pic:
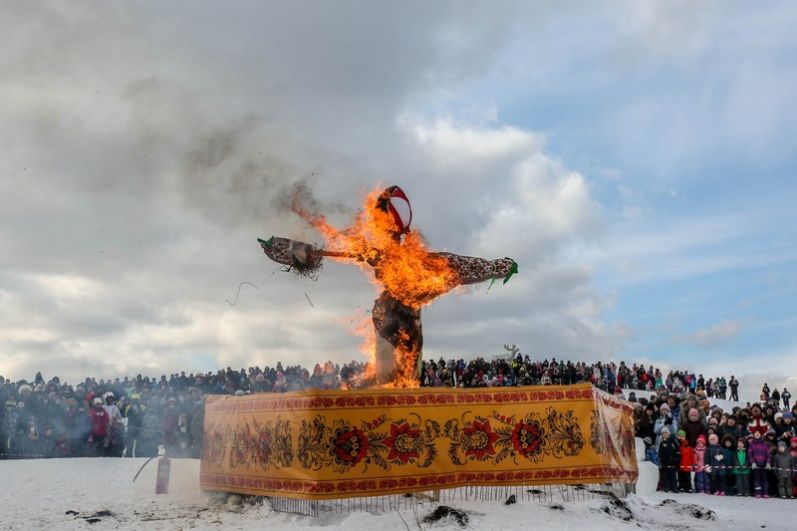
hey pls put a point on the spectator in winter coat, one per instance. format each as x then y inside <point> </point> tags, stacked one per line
<point>8,430</point>
<point>728,443</point>
<point>785,396</point>
<point>77,423</point>
<point>151,431</point>
<point>734,383</point>
<point>116,442</point>
<point>686,465</point>
<point>27,444</point>
<point>715,465</point>
<point>670,459</point>
<point>686,406</point>
<point>730,427</point>
<point>788,424</point>
<point>665,419</point>
<point>100,429</point>
<point>169,425</point>
<point>644,427</point>
<point>196,428</point>
<point>775,398</point>
<point>778,425</point>
<point>47,441</point>
<point>699,456</point>
<point>757,422</point>
<point>741,469</point>
<point>182,447</point>
<point>760,461</point>
<point>794,469</point>
<point>694,426</point>
<point>134,412</point>
<point>772,443</point>
<point>783,464</point>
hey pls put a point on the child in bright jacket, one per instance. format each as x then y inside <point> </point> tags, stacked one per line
<point>760,461</point>
<point>687,462</point>
<point>783,463</point>
<point>741,468</point>
<point>716,465</point>
<point>699,457</point>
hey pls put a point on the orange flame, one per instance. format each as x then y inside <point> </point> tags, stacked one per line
<point>401,265</point>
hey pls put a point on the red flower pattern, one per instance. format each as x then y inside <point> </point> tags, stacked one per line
<point>481,438</point>
<point>350,446</point>
<point>527,438</point>
<point>403,443</point>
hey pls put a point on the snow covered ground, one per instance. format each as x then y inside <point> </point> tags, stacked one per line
<point>100,494</point>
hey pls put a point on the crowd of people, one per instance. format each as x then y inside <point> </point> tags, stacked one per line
<point>521,370</point>
<point>138,416</point>
<point>747,451</point>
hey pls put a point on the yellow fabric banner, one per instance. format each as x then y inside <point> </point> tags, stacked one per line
<point>337,444</point>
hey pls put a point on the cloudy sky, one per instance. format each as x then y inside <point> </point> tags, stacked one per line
<point>636,158</point>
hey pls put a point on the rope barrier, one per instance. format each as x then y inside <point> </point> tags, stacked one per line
<point>728,467</point>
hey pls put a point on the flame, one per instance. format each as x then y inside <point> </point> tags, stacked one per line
<point>364,328</point>
<point>400,265</point>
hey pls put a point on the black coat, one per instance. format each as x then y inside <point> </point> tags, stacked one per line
<point>669,452</point>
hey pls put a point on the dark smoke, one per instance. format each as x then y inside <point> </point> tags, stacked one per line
<point>231,173</point>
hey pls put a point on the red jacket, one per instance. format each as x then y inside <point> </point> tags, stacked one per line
<point>687,457</point>
<point>100,421</point>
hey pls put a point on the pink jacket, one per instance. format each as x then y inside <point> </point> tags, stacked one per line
<point>700,458</point>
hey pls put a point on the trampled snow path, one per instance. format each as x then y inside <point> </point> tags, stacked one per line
<point>37,494</point>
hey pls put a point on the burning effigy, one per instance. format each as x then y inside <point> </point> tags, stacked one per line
<point>396,437</point>
<point>408,274</point>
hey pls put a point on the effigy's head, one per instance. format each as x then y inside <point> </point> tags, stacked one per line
<point>393,202</point>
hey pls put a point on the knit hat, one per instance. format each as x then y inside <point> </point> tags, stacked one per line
<point>771,431</point>
<point>701,438</point>
<point>665,407</point>
<point>778,415</point>
<point>97,400</point>
<point>666,430</point>
<point>781,443</point>
<point>794,440</point>
<point>681,433</point>
<point>788,416</point>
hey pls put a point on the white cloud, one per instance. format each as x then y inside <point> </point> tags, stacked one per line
<point>715,335</point>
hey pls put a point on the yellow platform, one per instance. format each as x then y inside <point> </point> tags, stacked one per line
<point>318,444</point>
